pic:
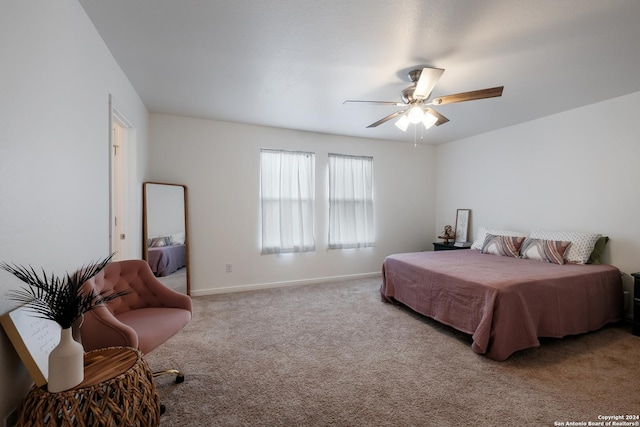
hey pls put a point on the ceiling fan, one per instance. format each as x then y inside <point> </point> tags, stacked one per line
<point>415,100</point>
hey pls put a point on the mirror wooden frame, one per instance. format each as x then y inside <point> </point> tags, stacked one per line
<point>145,230</point>
<point>462,225</point>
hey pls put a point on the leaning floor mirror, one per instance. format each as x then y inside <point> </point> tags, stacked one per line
<point>166,233</point>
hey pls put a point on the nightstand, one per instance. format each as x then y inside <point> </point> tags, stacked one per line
<point>636,304</point>
<point>441,246</point>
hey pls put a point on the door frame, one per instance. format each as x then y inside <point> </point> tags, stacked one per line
<point>122,145</point>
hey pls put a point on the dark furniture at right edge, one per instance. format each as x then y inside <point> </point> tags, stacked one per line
<point>441,246</point>
<point>636,303</point>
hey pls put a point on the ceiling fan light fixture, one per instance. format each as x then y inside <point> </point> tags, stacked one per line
<point>415,114</point>
<point>415,100</point>
<point>429,120</point>
<point>402,123</point>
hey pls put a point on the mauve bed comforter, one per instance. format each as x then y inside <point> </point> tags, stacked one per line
<point>164,260</point>
<point>504,303</point>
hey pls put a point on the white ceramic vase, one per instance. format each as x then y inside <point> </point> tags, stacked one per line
<point>66,363</point>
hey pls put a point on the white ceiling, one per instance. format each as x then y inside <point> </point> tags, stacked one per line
<point>292,63</point>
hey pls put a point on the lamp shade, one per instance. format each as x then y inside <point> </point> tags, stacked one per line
<point>402,123</point>
<point>415,114</point>
<point>429,120</point>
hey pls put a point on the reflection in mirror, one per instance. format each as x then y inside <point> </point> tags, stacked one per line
<point>165,230</point>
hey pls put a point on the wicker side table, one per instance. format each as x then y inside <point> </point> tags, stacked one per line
<point>118,390</point>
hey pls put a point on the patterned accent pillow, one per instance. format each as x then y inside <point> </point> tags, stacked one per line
<point>581,243</point>
<point>544,250</point>
<point>158,242</point>
<point>502,245</point>
<point>478,243</point>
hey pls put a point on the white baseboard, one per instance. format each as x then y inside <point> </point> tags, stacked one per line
<point>258,286</point>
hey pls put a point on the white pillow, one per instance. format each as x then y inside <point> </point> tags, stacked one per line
<point>581,243</point>
<point>481,235</point>
<point>178,238</point>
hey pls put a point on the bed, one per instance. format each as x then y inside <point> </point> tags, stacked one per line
<point>165,260</point>
<point>504,303</point>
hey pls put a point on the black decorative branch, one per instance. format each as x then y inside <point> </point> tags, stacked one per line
<point>59,298</point>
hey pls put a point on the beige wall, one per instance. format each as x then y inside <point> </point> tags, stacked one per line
<point>574,171</point>
<point>56,77</point>
<point>219,162</point>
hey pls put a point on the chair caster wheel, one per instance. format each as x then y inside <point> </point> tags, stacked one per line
<point>179,379</point>
<point>163,409</point>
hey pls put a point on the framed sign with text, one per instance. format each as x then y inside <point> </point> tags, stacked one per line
<point>33,338</point>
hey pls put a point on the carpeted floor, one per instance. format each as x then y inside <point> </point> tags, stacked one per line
<point>334,354</point>
<point>176,281</point>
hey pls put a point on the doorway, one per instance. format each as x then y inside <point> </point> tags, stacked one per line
<point>121,202</point>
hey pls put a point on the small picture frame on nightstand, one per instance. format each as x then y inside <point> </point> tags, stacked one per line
<point>462,225</point>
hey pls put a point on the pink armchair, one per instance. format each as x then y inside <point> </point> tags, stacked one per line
<point>146,317</point>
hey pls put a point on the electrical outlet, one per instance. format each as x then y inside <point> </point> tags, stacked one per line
<point>12,419</point>
<point>229,268</point>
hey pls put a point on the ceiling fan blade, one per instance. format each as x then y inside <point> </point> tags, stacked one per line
<point>386,119</point>
<point>427,81</point>
<point>469,96</point>
<point>397,104</point>
<point>441,119</point>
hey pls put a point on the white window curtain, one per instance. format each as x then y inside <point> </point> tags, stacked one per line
<point>350,201</point>
<point>287,193</point>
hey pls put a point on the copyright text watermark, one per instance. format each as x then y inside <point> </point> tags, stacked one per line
<point>625,420</point>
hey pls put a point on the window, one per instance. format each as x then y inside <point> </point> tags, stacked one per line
<point>287,193</point>
<point>350,201</point>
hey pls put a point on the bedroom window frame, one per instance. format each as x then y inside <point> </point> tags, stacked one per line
<point>351,203</point>
<point>287,201</point>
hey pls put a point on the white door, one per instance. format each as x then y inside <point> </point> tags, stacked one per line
<point>118,233</point>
